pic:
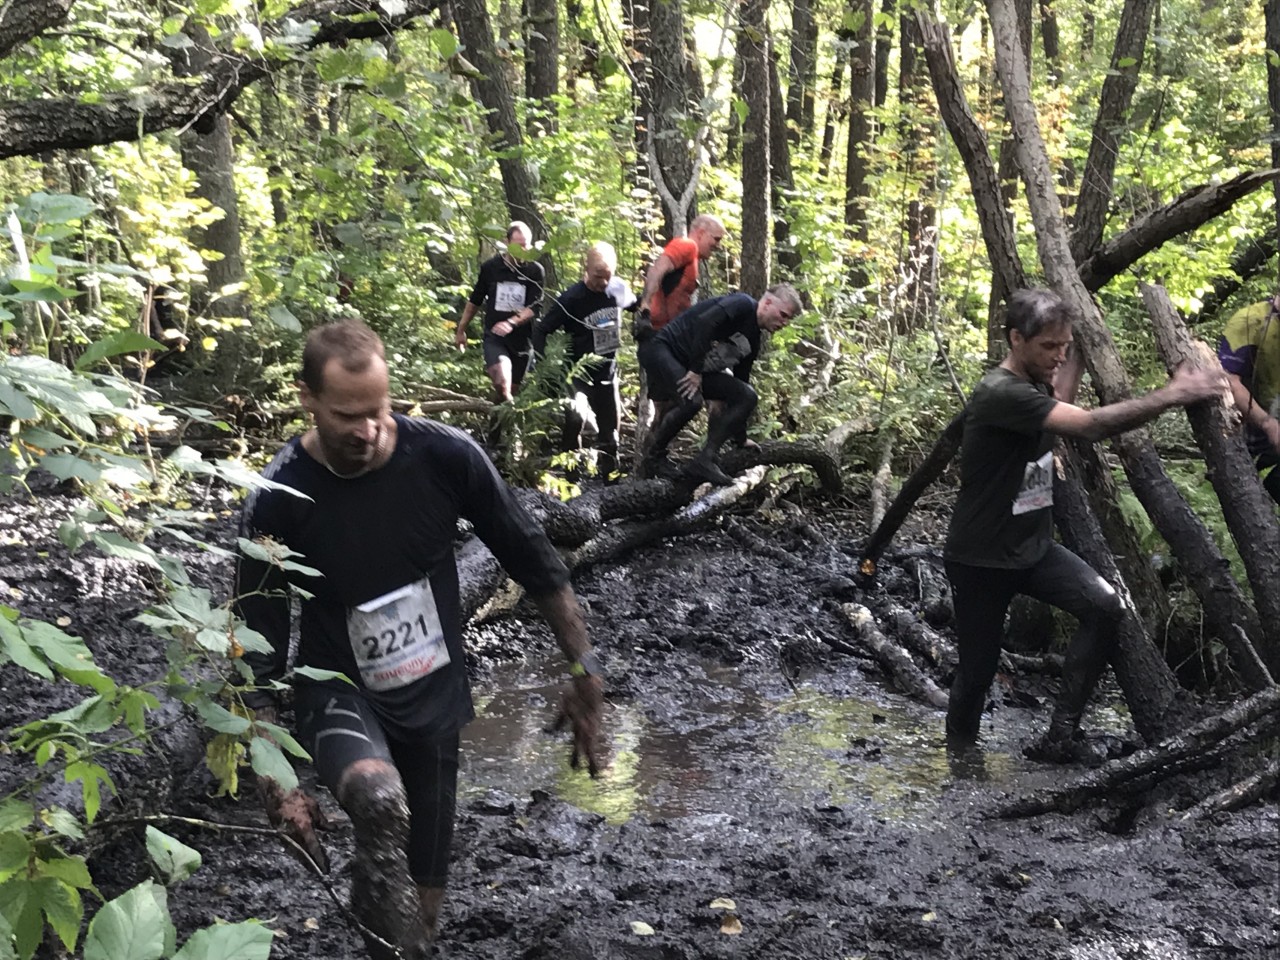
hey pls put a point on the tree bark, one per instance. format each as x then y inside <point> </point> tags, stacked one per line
<point>909,677</point>
<point>66,123</point>
<point>757,208</point>
<point>1104,145</point>
<point>781,178</point>
<point>837,107</point>
<point>800,72</point>
<point>1191,210</point>
<point>861,132</point>
<point>1246,506</point>
<point>672,154</point>
<point>1271,30</point>
<point>884,48</point>
<point>20,20</point>
<point>542,63</point>
<point>494,93</point>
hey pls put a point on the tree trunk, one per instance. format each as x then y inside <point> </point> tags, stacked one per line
<point>208,152</point>
<point>542,64</point>
<point>884,47</point>
<point>672,153</point>
<point>781,178</point>
<point>837,107</point>
<point>494,93</point>
<point>1246,506</point>
<point>1104,145</point>
<point>861,133</point>
<point>1271,17</point>
<point>757,212</point>
<point>20,20</point>
<point>800,71</point>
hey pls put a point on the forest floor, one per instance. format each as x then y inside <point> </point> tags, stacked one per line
<point>749,762</point>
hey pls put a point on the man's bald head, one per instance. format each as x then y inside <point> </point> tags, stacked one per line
<point>707,232</point>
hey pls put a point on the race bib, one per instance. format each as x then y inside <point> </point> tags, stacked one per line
<point>605,332</point>
<point>1036,491</point>
<point>397,637</point>
<point>508,297</point>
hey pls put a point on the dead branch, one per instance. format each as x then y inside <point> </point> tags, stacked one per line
<point>909,677</point>
<point>1238,795</point>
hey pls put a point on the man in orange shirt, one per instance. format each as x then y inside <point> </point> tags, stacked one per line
<point>670,282</point>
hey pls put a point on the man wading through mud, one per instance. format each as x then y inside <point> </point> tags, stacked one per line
<point>689,359</point>
<point>383,494</point>
<point>1001,537</point>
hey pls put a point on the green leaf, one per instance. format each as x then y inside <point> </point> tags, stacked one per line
<point>116,545</point>
<point>133,926</point>
<point>15,814</point>
<point>43,439</point>
<point>219,718</point>
<point>20,907</point>
<point>70,870</point>
<point>16,402</point>
<point>268,761</point>
<point>89,775</point>
<point>316,673</point>
<point>63,822</point>
<point>55,208</point>
<point>38,291</point>
<point>15,647</point>
<point>122,341</point>
<point>445,42</point>
<point>172,857</point>
<point>15,852</point>
<point>6,941</point>
<point>65,466</point>
<point>1126,62</point>
<point>228,941</point>
<point>62,909</point>
<point>283,737</point>
<point>283,318</point>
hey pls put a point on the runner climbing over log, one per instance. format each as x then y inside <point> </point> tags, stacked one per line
<point>1000,541</point>
<point>689,359</point>
<point>381,497</point>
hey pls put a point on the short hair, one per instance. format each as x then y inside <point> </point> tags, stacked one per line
<point>788,295</point>
<point>351,342</point>
<point>603,253</point>
<point>705,221</point>
<point>520,225</point>
<point>1032,309</point>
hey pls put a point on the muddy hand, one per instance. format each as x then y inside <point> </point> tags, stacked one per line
<point>581,705</point>
<point>298,815</point>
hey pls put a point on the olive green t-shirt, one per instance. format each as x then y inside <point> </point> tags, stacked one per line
<point>1002,517</point>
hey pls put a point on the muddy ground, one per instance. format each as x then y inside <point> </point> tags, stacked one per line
<point>751,762</point>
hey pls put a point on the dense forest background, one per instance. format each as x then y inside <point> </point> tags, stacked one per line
<point>186,188</point>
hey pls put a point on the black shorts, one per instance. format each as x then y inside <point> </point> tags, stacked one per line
<point>662,368</point>
<point>516,347</point>
<point>340,728</point>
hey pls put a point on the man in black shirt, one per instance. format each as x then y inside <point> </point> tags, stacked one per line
<point>687,360</point>
<point>381,495</point>
<point>589,312</point>
<point>1001,538</point>
<point>510,290</point>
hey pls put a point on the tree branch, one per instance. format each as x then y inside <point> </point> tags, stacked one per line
<point>34,126</point>
<point>1193,209</point>
<point>20,20</point>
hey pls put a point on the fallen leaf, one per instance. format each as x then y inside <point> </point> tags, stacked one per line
<point>929,917</point>
<point>63,621</point>
<point>723,903</point>
<point>730,926</point>
<point>641,929</point>
<point>311,923</point>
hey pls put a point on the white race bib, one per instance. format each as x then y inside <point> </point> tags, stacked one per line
<point>605,332</point>
<point>1036,492</point>
<point>397,637</point>
<point>508,297</point>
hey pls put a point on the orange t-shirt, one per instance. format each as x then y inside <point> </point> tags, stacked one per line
<point>675,293</point>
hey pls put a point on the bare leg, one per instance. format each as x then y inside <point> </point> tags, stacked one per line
<point>500,377</point>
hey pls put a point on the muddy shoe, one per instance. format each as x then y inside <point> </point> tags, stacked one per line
<point>1062,750</point>
<point>658,468</point>
<point>704,469</point>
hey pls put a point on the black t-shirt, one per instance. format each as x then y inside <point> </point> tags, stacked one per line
<point>592,321</point>
<point>727,322</point>
<point>370,537</point>
<point>506,286</point>
<point>1002,517</point>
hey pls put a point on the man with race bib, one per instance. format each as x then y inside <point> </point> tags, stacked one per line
<point>381,496</point>
<point>590,314</point>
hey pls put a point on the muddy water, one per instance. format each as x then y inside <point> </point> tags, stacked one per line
<point>730,749</point>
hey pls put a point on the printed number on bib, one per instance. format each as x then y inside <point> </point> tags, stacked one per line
<point>1036,492</point>
<point>508,297</point>
<point>605,330</point>
<point>397,637</point>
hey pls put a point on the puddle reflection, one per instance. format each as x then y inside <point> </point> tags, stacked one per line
<point>726,750</point>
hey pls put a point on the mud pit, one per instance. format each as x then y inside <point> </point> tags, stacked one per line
<point>750,762</point>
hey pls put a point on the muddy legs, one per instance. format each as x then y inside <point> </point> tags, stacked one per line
<point>383,896</point>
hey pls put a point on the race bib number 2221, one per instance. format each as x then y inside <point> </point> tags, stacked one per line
<point>396,638</point>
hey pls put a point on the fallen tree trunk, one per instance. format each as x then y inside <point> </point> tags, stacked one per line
<point>909,677</point>
<point>1197,739</point>
<point>1246,506</point>
<point>1238,795</point>
<point>916,636</point>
